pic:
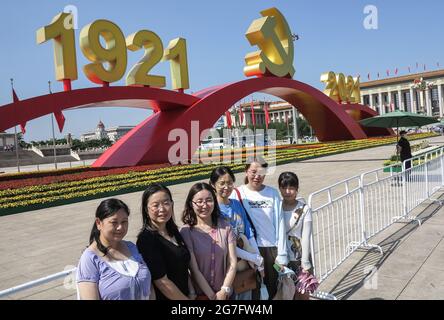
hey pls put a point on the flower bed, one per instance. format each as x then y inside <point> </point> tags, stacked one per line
<point>18,194</point>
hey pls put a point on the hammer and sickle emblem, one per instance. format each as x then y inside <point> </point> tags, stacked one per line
<point>272,35</point>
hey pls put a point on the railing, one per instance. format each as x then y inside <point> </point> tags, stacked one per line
<point>346,222</point>
<point>349,213</point>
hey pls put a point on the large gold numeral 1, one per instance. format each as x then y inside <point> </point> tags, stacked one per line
<point>64,45</point>
<point>176,52</point>
<point>138,75</point>
<point>114,54</point>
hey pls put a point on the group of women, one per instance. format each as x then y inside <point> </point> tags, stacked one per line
<point>223,229</point>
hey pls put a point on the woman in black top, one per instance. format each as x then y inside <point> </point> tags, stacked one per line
<point>162,247</point>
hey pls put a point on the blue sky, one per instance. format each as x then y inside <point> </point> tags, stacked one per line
<point>332,37</point>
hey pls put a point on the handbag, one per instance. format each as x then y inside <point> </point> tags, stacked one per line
<point>245,281</point>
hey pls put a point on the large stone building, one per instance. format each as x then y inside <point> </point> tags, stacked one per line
<point>113,133</point>
<point>279,112</point>
<point>419,93</point>
<point>6,140</point>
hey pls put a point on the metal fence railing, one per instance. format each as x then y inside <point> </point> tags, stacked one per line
<point>349,213</point>
<point>346,222</point>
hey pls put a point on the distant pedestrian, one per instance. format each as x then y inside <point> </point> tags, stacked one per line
<point>404,150</point>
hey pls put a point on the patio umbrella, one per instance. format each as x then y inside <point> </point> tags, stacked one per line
<point>398,119</point>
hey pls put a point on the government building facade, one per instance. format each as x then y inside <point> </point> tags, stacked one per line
<point>418,93</point>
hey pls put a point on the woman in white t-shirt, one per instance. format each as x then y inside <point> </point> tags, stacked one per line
<point>263,205</point>
<point>298,225</point>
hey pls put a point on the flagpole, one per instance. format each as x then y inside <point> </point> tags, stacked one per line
<point>53,132</point>
<point>15,136</point>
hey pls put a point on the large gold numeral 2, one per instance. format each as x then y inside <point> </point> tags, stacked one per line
<point>153,47</point>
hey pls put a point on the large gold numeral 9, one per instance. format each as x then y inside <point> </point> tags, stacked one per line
<point>114,54</point>
<point>64,45</point>
<point>176,52</point>
<point>273,37</point>
<point>153,54</point>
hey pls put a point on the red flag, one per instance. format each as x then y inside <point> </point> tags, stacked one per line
<point>267,116</point>
<point>228,116</point>
<point>241,114</point>
<point>16,99</point>
<point>60,118</point>
<point>253,120</point>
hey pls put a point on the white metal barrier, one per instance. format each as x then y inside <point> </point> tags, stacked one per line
<point>347,214</point>
<point>343,223</point>
<point>36,283</point>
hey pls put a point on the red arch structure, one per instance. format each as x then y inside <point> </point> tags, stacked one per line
<point>149,141</point>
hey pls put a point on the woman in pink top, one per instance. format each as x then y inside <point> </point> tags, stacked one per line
<point>211,242</point>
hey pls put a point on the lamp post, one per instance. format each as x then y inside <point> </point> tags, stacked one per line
<point>53,133</point>
<point>15,135</point>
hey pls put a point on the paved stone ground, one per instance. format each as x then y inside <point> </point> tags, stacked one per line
<point>37,243</point>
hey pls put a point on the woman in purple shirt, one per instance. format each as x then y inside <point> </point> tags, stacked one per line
<point>211,242</point>
<point>111,268</point>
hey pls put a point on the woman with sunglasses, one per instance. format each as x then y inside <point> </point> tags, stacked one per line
<point>211,242</point>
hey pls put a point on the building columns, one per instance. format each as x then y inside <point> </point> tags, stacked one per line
<point>389,95</point>
<point>412,101</point>
<point>400,106</point>
<point>427,103</point>
<point>381,104</point>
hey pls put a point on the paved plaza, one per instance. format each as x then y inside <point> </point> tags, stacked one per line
<point>38,243</point>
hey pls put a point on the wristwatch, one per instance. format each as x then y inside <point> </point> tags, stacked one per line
<point>227,290</point>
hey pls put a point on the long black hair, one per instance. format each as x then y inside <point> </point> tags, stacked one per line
<point>147,223</point>
<point>189,217</point>
<point>107,208</point>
